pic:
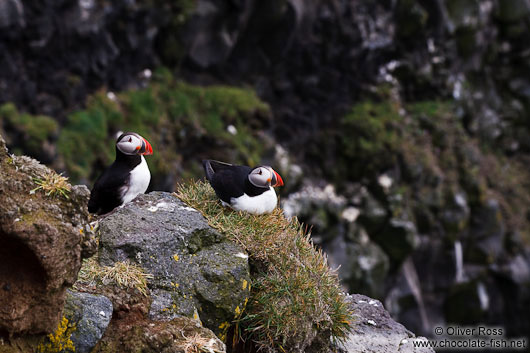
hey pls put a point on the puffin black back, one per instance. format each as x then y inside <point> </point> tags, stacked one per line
<point>106,194</point>
<point>124,179</point>
<point>227,180</point>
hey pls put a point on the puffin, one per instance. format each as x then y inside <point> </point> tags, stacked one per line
<point>243,188</point>
<point>124,179</point>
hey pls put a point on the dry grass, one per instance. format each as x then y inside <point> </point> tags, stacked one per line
<point>295,295</point>
<point>52,184</point>
<point>123,274</point>
<point>199,344</point>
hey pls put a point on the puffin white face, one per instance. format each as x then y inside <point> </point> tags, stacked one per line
<point>265,176</point>
<point>131,143</point>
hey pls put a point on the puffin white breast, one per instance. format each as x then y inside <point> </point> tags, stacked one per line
<point>139,179</point>
<point>263,203</point>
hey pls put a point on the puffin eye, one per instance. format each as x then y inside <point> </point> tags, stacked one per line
<point>130,139</point>
<point>260,172</point>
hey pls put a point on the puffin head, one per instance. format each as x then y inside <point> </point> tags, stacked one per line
<point>265,176</point>
<point>130,143</point>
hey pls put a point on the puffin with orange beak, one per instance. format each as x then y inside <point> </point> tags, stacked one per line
<point>243,188</point>
<point>124,179</point>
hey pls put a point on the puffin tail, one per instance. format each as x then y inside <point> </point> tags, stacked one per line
<point>211,167</point>
<point>208,169</point>
<point>93,206</point>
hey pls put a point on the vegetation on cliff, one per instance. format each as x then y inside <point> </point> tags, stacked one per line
<point>180,120</point>
<point>295,296</point>
<point>122,274</point>
<point>29,133</point>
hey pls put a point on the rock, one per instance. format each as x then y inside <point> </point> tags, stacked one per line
<point>398,239</point>
<point>465,303</point>
<point>197,271</point>
<point>41,250</point>
<point>375,331</point>
<point>91,315</point>
<point>514,10</point>
<point>362,265</point>
<point>487,233</point>
<point>455,217</point>
<point>373,216</point>
<point>11,13</point>
<point>210,41</point>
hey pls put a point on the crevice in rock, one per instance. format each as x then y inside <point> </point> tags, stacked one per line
<point>22,277</point>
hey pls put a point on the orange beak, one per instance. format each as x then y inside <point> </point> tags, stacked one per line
<point>146,148</point>
<point>279,180</point>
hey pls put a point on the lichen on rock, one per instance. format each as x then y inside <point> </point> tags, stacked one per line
<point>90,314</point>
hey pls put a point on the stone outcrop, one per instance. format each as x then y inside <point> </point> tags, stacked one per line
<point>42,239</point>
<point>90,314</point>
<point>197,271</point>
<point>375,331</point>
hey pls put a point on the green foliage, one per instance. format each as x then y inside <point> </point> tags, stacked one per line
<point>369,137</point>
<point>34,129</point>
<point>295,296</point>
<point>171,115</point>
<point>53,185</point>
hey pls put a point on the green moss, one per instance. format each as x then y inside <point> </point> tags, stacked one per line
<point>369,137</point>
<point>35,130</point>
<point>84,138</point>
<point>171,115</point>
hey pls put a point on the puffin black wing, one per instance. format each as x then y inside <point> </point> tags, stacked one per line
<point>108,189</point>
<point>228,180</point>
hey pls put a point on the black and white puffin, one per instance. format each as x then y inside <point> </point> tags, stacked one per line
<point>127,177</point>
<point>244,188</point>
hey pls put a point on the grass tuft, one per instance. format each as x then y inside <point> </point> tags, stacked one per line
<point>123,274</point>
<point>198,344</point>
<point>53,184</point>
<point>295,295</point>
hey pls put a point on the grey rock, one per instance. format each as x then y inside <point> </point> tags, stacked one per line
<point>91,315</point>
<point>375,331</point>
<point>362,265</point>
<point>488,233</point>
<point>11,13</point>
<point>197,271</point>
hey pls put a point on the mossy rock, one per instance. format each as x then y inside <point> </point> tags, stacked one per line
<point>31,134</point>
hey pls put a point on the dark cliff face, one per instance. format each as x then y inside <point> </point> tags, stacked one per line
<point>415,111</point>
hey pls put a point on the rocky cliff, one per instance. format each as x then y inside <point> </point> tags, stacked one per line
<point>402,126</point>
<point>163,279</point>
